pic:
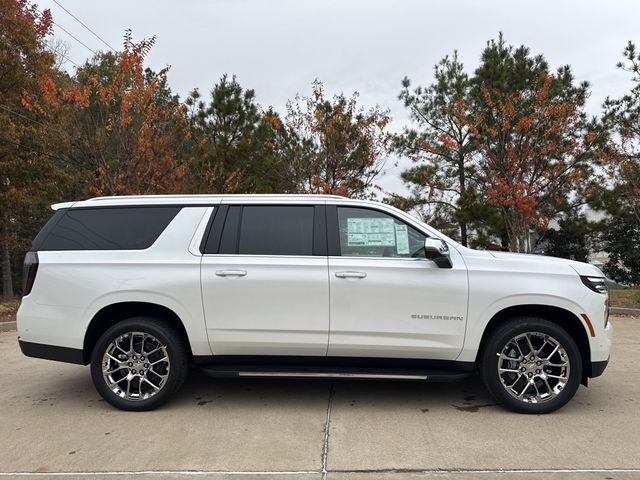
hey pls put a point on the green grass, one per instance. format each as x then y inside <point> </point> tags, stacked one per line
<point>629,298</point>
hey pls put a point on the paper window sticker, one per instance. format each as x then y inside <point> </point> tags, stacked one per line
<point>370,232</point>
<point>402,239</point>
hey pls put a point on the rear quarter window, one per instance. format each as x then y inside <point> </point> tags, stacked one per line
<point>121,228</point>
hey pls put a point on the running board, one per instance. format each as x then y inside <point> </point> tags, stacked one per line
<point>335,373</point>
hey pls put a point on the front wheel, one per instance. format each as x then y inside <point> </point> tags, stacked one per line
<point>139,363</point>
<point>531,365</point>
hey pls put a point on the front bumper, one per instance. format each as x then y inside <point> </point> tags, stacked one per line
<point>598,368</point>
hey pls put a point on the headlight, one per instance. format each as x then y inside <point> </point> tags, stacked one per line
<point>597,284</point>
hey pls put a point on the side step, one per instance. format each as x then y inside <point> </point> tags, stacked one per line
<point>334,373</point>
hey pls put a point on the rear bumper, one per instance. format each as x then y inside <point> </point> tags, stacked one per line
<point>52,352</point>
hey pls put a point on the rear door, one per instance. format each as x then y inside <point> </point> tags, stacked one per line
<point>265,280</point>
<point>387,299</point>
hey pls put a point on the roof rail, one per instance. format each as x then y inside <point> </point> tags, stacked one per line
<point>206,195</point>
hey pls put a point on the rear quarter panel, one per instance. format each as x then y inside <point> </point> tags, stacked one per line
<point>72,286</point>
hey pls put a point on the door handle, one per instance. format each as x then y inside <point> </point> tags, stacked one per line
<point>231,273</point>
<point>351,274</point>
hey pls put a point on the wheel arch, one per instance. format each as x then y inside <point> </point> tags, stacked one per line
<point>116,312</point>
<point>558,315</point>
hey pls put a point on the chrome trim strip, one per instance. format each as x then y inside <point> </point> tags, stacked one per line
<point>194,246</point>
<point>333,375</point>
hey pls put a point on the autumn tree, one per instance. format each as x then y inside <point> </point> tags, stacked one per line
<point>529,124</point>
<point>130,132</point>
<point>335,147</point>
<point>233,143</point>
<point>31,143</point>
<point>441,146</point>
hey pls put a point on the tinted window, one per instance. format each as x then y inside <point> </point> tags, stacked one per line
<point>276,230</point>
<point>127,228</point>
<point>229,240</point>
<point>370,233</point>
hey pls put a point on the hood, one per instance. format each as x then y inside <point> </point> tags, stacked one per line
<point>580,268</point>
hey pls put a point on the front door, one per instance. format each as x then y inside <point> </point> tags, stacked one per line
<point>264,281</point>
<point>387,299</point>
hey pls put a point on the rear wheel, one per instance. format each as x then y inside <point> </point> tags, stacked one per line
<point>139,363</point>
<point>531,365</point>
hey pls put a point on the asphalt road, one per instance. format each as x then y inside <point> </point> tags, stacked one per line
<point>53,424</point>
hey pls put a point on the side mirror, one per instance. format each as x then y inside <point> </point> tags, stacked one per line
<point>438,251</point>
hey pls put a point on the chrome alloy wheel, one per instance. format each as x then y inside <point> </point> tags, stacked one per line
<point>135,366</point>
<point>533,367</point>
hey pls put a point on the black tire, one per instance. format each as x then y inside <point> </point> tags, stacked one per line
<point>499,339</point>
<point>176,352</point>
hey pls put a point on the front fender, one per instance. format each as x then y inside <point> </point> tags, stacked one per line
<point>478,324</point>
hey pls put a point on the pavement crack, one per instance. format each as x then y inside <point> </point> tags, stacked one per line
<point>327,424</point>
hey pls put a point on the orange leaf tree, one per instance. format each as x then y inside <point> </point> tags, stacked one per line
<point>529,125</point>
<point>32,142</point>
<point>334,146</point>
<point>130,131</point>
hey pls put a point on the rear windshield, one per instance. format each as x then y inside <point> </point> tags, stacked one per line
<point>122,228</point>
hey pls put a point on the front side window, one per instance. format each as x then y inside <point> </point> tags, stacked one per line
<point>370,233</point>
<point>276,230</point>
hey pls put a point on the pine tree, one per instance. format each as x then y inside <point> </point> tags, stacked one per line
<point>441,145</point>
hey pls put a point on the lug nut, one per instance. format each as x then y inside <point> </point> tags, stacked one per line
<point>532,358</point>
<point>538,371</point>
<point>146,365</point>
<point>530,374</point>
<point>523,369</point>
<point>130,364</point>
<point>538,362</point>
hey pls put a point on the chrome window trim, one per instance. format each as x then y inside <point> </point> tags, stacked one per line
<point>196,240</point>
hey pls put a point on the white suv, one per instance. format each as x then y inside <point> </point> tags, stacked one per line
<point>301,286</point>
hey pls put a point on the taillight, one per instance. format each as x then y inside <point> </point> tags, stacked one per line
<point>29,271</point>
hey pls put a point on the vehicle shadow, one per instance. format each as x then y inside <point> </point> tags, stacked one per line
<point>202,390</point>
<point>72,388</point>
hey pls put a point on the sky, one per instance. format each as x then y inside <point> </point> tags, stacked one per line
<point>278,47</point>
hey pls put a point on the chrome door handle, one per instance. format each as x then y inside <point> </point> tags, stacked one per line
<point>351,274</point>
<point>231,273</point>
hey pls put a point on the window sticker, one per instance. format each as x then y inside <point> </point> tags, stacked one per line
<point>402,239</point>
<point>370,232</point>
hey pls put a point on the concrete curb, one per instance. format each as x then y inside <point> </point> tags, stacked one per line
<point>625,311</point>
<point>7,326</point>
